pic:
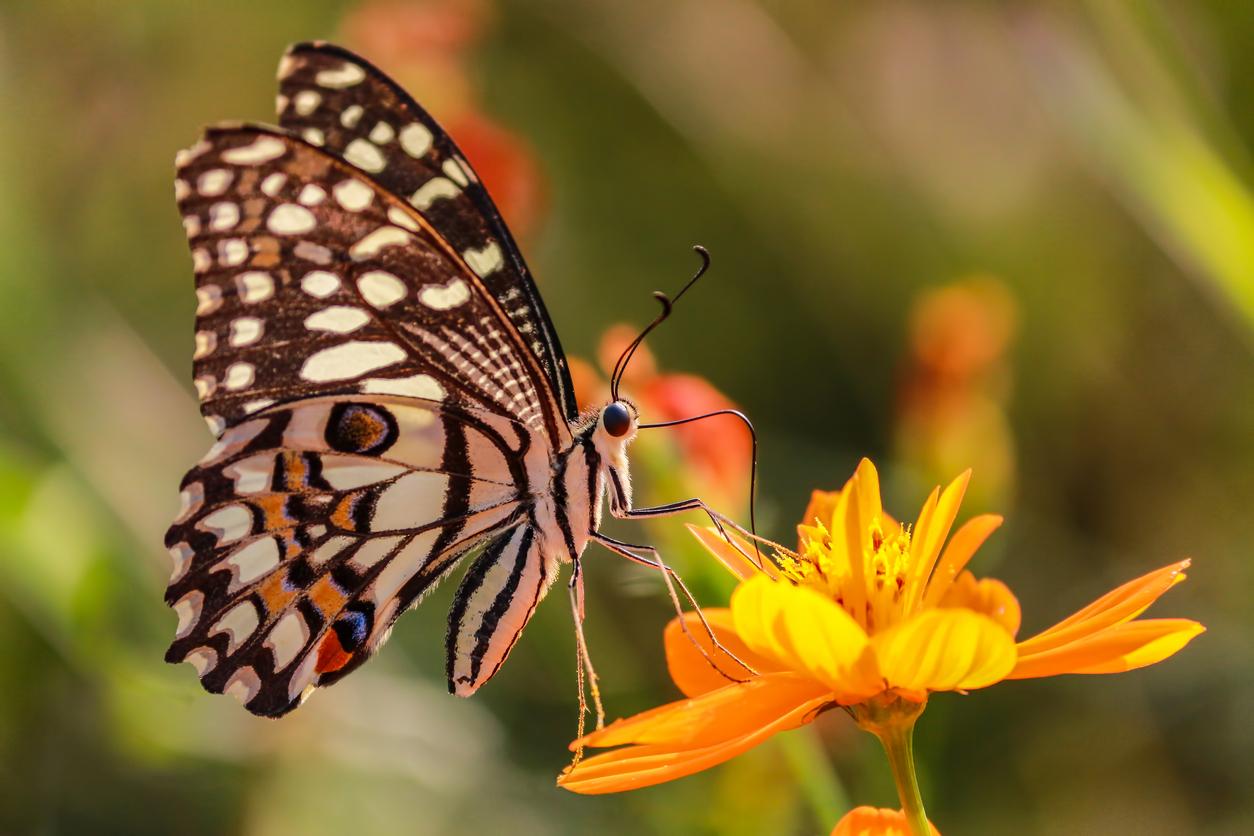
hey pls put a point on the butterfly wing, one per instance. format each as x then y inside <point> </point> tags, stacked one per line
<point>344,104</point>
<point>378,416</point>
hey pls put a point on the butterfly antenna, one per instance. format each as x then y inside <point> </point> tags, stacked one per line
<point>667,303</point>
<point>753,463</point>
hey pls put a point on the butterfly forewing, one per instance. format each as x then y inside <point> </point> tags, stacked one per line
<point>341,102</point>
<point>378,416</point>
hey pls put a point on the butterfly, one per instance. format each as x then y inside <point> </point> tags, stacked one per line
<point>387,393</point>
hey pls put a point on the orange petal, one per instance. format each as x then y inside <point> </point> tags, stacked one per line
<point>806,632</point>
<point>872,821</point>
<point>691,735</point>
<point>987,596</point>
<point>1115,607</point>
<point>697,672</point>
<point>853,529</point>
<point>1121,647</point>
<point>930,535</point>
<point>945,650</point>
<point>738,556</point>
<point>819,511</point>
<point>958,553</point>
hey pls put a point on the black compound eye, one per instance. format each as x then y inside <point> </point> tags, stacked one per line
<point>617,419</point>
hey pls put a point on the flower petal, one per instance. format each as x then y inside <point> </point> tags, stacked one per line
<point>1115,607</point>
<point>930,535</point>
<point>957,554</point>
<point>1121,647</point>
<point>691,735</point>
<point>987,596</point>
<point>739,556</point>
<point>818,512</point>
<point>807,633</point>
<point>697,672</point>
<point>945,650</point>
<point>872,821</point>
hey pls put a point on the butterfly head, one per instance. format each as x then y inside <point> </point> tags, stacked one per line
<point>615,428</point>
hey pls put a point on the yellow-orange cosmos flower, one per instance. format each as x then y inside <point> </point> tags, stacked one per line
<point>870,615</point>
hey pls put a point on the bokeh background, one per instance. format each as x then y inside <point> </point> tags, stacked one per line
<point>1017,237</point>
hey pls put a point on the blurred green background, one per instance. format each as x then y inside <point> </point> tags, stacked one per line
<point>1018,237</point>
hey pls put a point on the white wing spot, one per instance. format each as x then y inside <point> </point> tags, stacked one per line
<point>352,359</point>
<point>351,116</point>
<point>232,251</point>
<point>310,251</point>
<point>181,554</point>
<point>254,286</point>
<point>339,319</point>
<point>262,150</point>
<point>280,103</point>
<point>416,139</point>
<point>191,225</point>
<point>382,237</point>
<point>254,560</point>
<point>346,75</point>
<point>380,288</point>
<point>228,524</point>
<point>345,473</point>
<point>484,261</point>
<point>214,182</point>
<point>216,424</point>
<point>290,219</point>
<point>238,624</point>
<point>208,299</point>
<point>307,101</point>
<point>203,659</point>
<point>243,685</point>
<point>314,136</point>
<point>256,406</point>
<point>239,376</point>
<point>382,133</point>
<point>181,189</point>
<point>319,283</point>
<point>190,500</point>
<point>442,297</point>
<point>206,342</point>
<point>205,385</point>
<point>312,194</point>
<point>201,260</point>
<point>454,172</point>
<point>433,190</point>
<point>353,195</point>
<point>273,182</point>
<point>365,155</point>
<point>400,217</point>
<point>287,638</point>
<point>246,330</point>
<point>417,386</point>
<point>223,216</point>
<point>188,611</point>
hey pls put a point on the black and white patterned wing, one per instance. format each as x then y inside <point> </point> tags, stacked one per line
<point>310,527</point>
<point>311,279</point>
<point>378,416</point>
<point>342,103</point>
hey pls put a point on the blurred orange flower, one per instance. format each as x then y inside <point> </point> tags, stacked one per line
<point>867,614</point>
<point>875,821</point>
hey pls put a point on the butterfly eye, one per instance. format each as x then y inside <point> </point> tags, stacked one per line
<point>617,419</point>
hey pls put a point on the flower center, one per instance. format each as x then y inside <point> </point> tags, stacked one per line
<point>824,565</point>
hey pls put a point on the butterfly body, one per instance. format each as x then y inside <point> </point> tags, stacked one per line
<point>386,392</point>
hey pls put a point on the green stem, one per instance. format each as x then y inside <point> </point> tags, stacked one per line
<point>898,740</point>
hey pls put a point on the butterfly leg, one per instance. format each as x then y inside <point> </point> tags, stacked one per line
<point>651,557</point>
<point>620,508</point>
<point>583,657</point>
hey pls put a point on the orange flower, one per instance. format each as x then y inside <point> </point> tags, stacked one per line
<point>875,821</point>
<point>870,615</point>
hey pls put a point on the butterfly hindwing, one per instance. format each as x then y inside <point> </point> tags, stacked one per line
<point>308,529</point>
<point>341,102</point>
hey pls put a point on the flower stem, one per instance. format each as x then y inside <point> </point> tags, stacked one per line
<point>898,741</point>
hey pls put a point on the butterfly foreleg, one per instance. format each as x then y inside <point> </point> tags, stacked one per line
<point>583,660</point>
<point>650,556</point>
